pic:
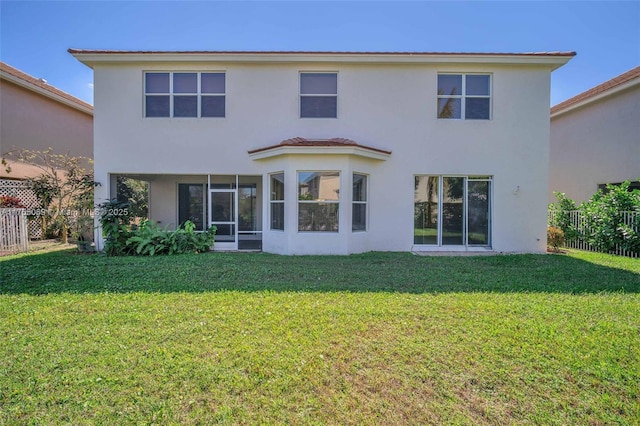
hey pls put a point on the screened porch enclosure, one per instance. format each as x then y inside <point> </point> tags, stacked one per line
<point>231,203</point>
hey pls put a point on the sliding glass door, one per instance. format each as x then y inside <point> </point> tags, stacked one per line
<point>478,212</point>
<point>452,211</point>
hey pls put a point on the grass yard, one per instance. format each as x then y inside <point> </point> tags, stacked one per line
<point>377,338</point>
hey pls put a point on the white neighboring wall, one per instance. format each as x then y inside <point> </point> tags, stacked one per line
<point>596,143</point>
<point>390,106</point>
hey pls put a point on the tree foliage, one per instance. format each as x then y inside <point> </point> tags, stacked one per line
<point>134,192</point>
<point>605,217</point>
<point>63,187</point>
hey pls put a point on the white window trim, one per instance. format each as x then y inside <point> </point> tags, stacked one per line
<point>439,246</point>
<point>463,96</point>
<point>299,201</point>
<point>171,94</point>
<point>284,223</point>
<point>365,202</point>
<point>300,95</point>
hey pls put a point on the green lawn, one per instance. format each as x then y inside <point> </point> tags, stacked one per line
<point>377,338</point>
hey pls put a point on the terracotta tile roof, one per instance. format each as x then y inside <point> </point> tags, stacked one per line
<point>595,91</point>
<point>42,84</point>
<point>289,52</point>
<point>303,142</point>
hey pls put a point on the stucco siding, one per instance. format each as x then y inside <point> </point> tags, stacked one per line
<point>391,107</point>
<point>32,121</point>
<point>596,144</point>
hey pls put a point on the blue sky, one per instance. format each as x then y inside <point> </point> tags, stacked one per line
<point>35,35</point>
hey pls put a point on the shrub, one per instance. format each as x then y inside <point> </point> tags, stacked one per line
<point>149,239</point>
<point>555,238</point>
<point>604,216</point>
<point>115,221</point>
<point>605,223</point>
<point>562,216</point>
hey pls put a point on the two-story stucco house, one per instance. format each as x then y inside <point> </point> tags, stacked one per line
<point>332,152</point>
<point>595,138</point>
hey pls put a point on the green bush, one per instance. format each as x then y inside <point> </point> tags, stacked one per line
<point>150,239</point>
<point>115,222</point>
<point>562,217</point>
<point>603,216</point>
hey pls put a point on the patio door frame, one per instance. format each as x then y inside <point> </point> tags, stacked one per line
<point>225,245</point>
<point>440,245</point>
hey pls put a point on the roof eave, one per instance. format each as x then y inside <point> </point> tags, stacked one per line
<point>47,93</point>
<point>614,90</point>
<point>552,60</point>
<point>278,151</point>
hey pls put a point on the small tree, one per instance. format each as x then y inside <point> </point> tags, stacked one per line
<point>63,187</point>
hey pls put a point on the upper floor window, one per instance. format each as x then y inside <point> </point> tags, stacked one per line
<point>318,95</point>
<point>184,94</point>
<point>464,96</point>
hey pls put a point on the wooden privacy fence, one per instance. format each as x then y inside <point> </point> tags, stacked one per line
<point>579,224</point>
<point>14,236</point>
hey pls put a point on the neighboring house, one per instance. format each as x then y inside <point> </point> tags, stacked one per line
<point>332,152</point>
<point>595,138</point>
<point>35,116</point>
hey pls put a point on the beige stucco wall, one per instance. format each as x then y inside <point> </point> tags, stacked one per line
<point>391,107</point>
<point>596,144</point>
<point>32,121</point>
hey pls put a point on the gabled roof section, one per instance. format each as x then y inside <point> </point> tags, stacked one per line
<point>623,81</point>
<point>40,86</point>
<point>300,145</point>
<point>91,57</point>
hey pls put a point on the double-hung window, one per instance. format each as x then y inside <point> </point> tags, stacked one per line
<point>184,94</point>
<point>359,205</point>
<point>277,201</point>
<point>318,201</point>
<point>318,95</point>
<point>464,96</point>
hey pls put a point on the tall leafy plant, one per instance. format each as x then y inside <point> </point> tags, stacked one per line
<point>64,187</point>
<point>606,222</point>
<point>604,216</point>
<point>115,222</point>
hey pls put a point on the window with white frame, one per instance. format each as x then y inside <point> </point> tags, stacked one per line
<point>184,94</point>
<point>452,210</point>
<point>359,204</point>
<point>464,96</point>
<point>318,201</point>
<point>277,201</point>
<point>318,95</point>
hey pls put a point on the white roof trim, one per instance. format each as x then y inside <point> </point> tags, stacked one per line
<point>319,150</point>
<point>91,59</point>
